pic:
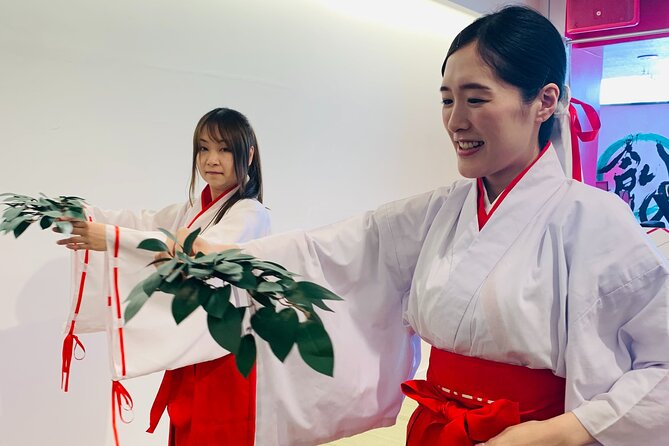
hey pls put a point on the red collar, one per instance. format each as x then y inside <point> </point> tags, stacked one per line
<point>484,216</point>
<point>206,198</point>
<point>207,202</point>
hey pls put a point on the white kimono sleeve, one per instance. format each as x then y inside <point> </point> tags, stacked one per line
<point>369,261</point>
<point>618,349</point>
<point>152,341</point>
<point>89,308</point>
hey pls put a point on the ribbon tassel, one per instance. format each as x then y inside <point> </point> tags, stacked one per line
<point>70,344</point>
<point>121,402</point>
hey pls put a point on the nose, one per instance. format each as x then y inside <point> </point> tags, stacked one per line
<point>211,158</point>
<point>455,118</point>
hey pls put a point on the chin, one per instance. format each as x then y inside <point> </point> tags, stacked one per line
<point>469,171</point>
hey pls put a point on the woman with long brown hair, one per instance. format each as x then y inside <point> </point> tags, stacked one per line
<point>208,400</point>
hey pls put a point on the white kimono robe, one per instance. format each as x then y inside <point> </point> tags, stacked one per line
<point>152,341</point>
<point>561,277</point>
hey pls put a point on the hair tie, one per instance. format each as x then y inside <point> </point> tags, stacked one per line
<point>567,123</point>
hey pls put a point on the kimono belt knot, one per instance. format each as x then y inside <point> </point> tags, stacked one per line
<point>447,418</point>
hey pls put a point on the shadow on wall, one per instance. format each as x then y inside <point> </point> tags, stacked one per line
<point>30,372</point>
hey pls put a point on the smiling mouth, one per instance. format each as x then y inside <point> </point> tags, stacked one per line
<point>469,145</point>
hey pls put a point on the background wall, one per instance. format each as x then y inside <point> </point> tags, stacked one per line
<point>99,99</point>
<point>618,121</point>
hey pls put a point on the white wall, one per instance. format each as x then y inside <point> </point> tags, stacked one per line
<point>99,99</point>
<point>555,10</point>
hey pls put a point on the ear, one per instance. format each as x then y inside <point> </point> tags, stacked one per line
<point>547,98</point>
<point>252,151</point>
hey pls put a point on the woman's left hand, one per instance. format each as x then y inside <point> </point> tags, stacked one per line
<point>563,430</point>
<point>85,235</point>
<point>180,235</point>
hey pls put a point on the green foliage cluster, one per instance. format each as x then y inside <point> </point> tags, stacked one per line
<point>282,312</point>
<point>22,211</point>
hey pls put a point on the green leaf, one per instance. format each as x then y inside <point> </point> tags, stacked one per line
<point>315,347</point>
<point>230,269</point>
<point>166,268</point>
<point>71,198</point>
<point>153,244</point>
<point>160,260</point>
<point>199,273</point>
<point>52,214</point>
<point>234,255</point>
<point>12,213</point>
<point>136,300</point>
<point>205,259</point>
<point>170,287</point>
<point>247,281</point>
<point>307,294</point>
<point>246,355</point>
<point>176,273</point>
<point>188,243</point>
<point>7,225</point>
<point>278,329</point>
<point>226,331</point>
<point>316,291</point>
<point>216,302</point>
<point>185,300</point>
<point>272,269</point>
<point>169,235</point>
<point>183,257</point>
<point>64,227</point>
<point>20,228</point>
<point>45,222</point>
<point>269,287</point>
<point>262,298</point>
<point>45,203</point>
<point>75,212</point>
<point>151,283</point>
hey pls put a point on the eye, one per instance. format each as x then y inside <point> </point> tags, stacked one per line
<point>447,101</point>
<point>202,149</point>
<point>476,101</point>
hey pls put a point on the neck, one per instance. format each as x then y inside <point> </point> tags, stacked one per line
<point>497,182</point>
<point>215,193</point>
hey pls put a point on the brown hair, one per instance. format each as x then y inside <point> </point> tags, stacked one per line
<point>232,128</point>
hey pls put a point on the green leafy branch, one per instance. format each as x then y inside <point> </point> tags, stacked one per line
<point>22,211</point>
<point>279,301</point>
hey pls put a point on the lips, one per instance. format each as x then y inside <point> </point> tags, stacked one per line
<point>468,148</point>
<point>468,145</point>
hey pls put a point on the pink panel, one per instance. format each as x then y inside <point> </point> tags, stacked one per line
<point>653,15</point>
<point>598,15</point>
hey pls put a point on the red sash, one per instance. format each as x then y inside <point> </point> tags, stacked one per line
<point>209,404</point>
<point>466,401</point>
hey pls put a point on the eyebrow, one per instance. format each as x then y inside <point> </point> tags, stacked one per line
<point>222,143</point>
<point>469,86</point>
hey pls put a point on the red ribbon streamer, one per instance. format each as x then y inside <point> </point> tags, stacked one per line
<point>71,340</point>
<point>578,133</point>
<point>119,316</point>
